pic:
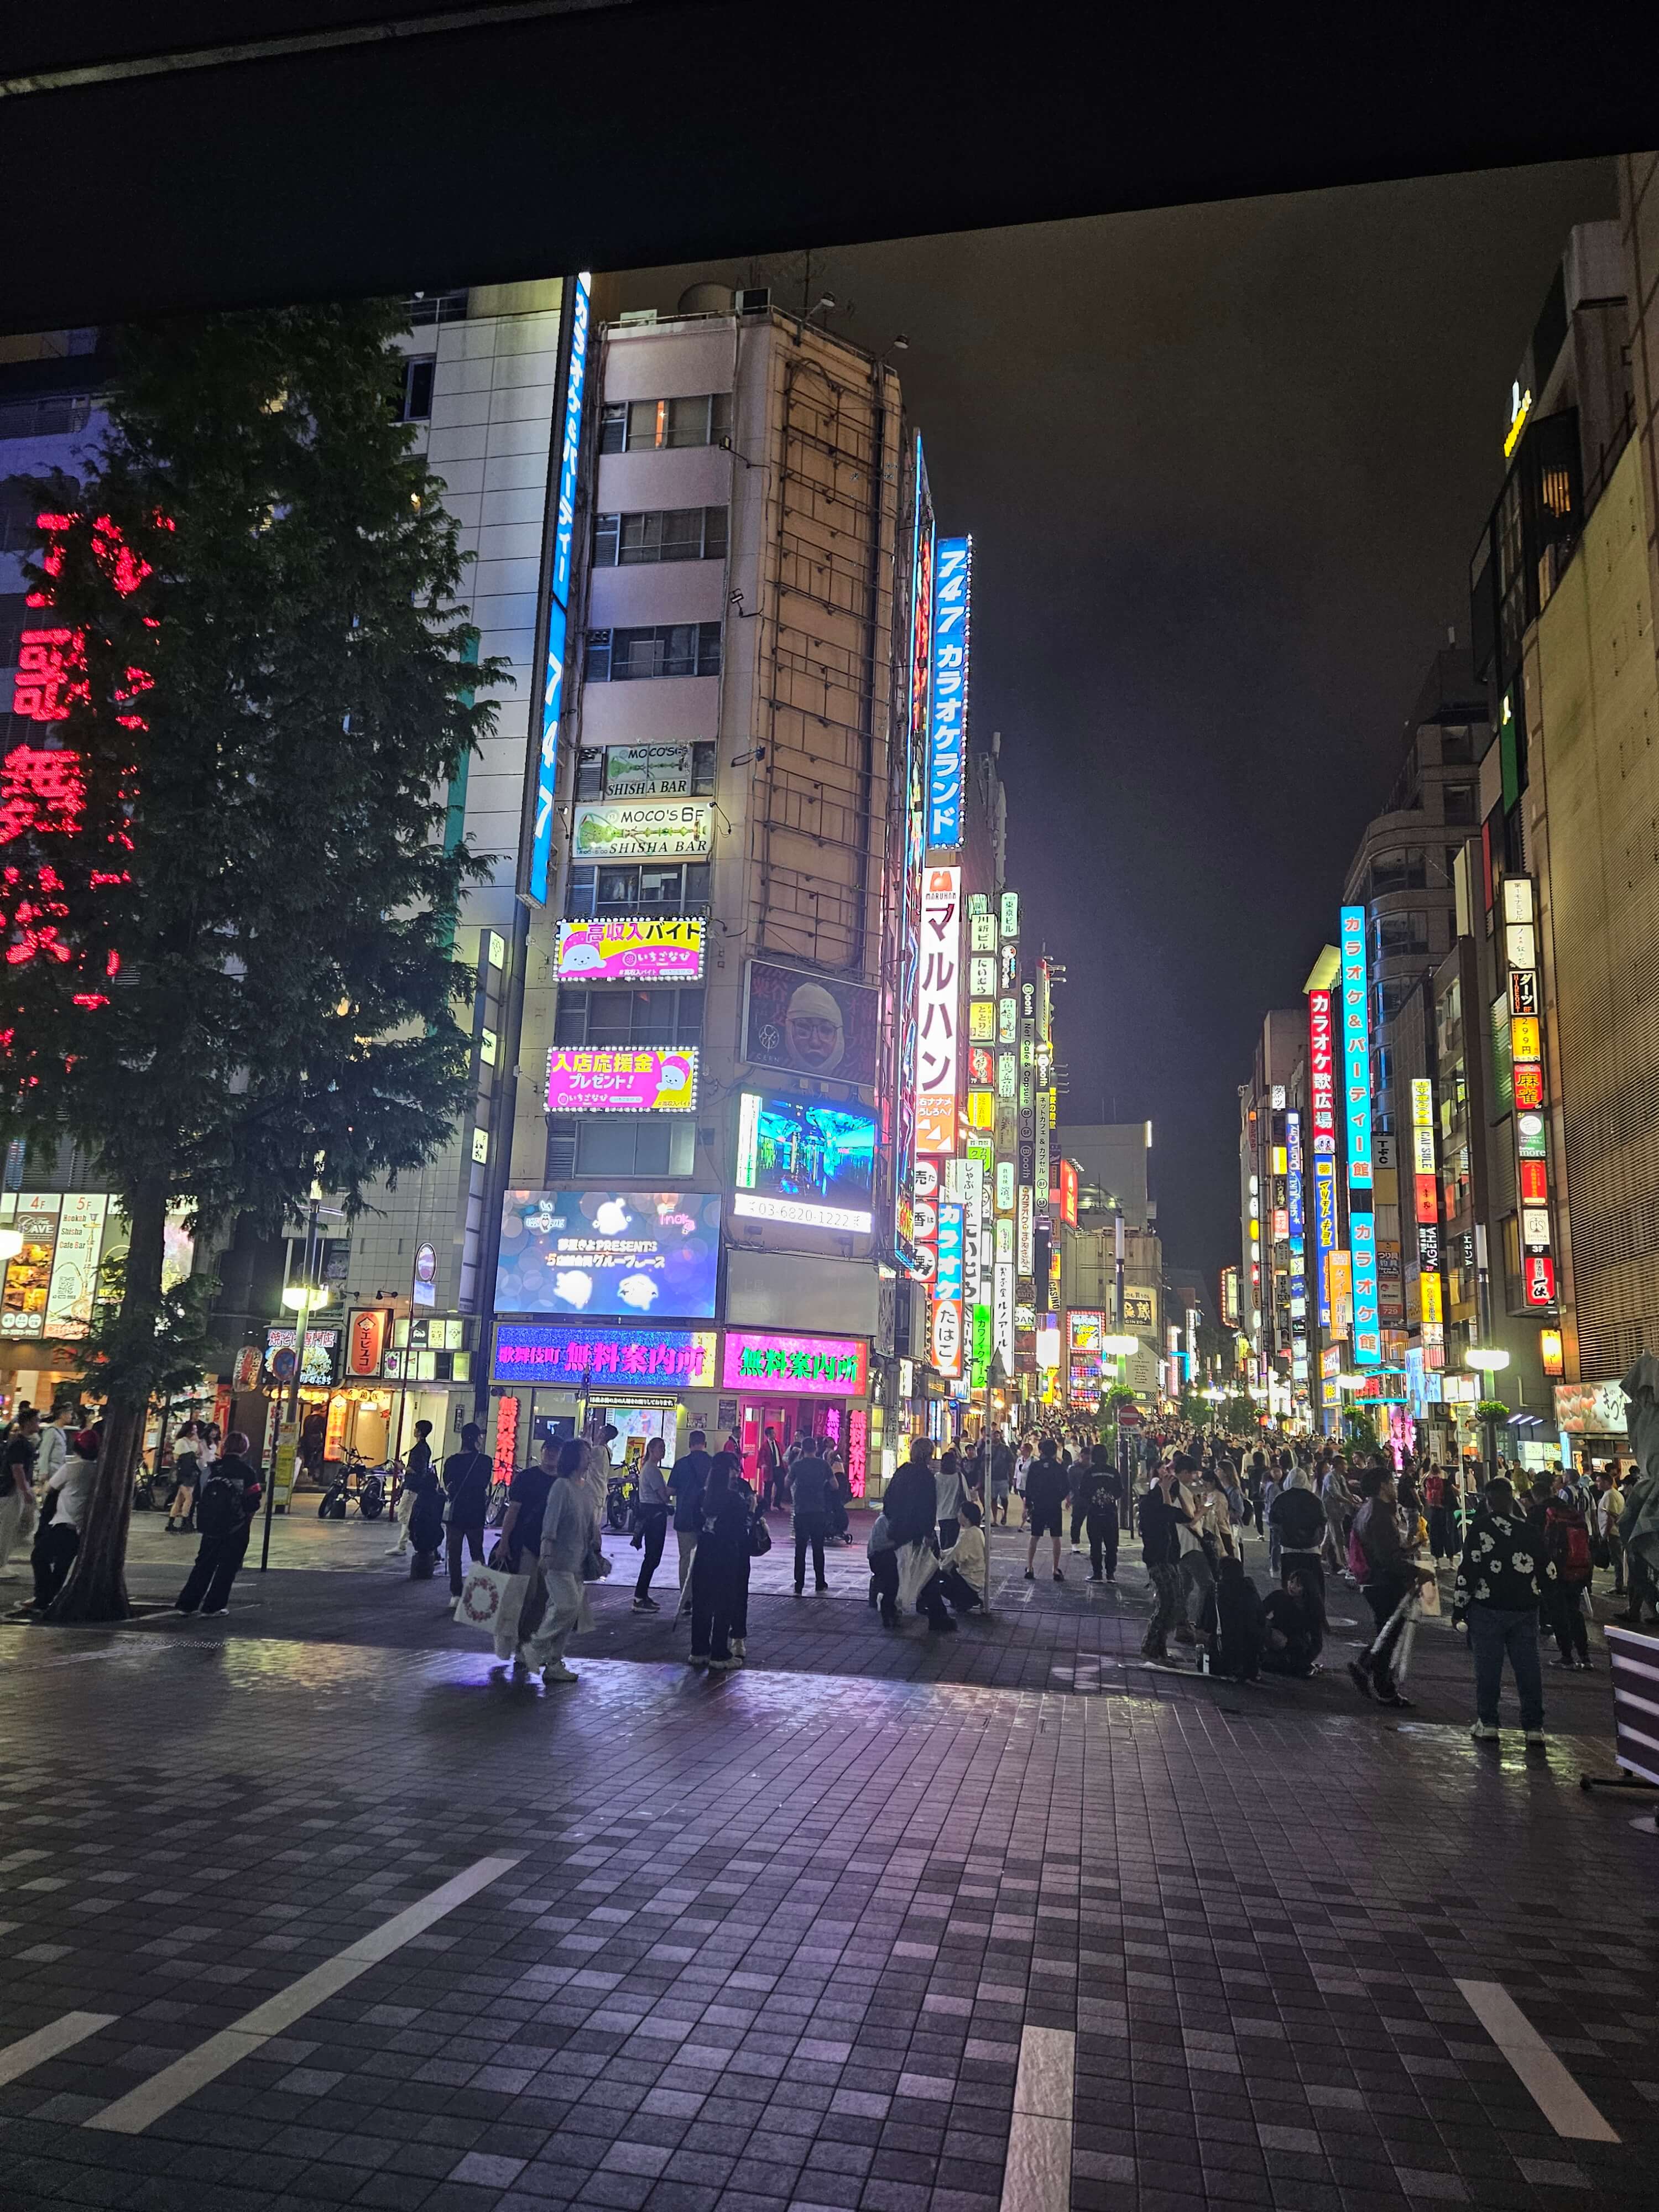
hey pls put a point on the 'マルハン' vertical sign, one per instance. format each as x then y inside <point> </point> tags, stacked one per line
<point>558,600</point>
<point>948,689</point>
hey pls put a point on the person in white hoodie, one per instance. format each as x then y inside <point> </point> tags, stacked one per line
<point>54,1443</point>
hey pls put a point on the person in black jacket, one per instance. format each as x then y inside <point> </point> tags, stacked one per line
<point>225,1508</point>
<point>1099,1487</point>
<point>910,1510</point>
<point>1162,1518</point>
<point>1047,1486</point>
<point>1299,1518</point>
<point>811,1485</point>
<point>1500,1578</point>
<point>686,1479</point>
<point>468,1475</point>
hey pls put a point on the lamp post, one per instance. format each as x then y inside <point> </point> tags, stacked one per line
<point>1488,1359</point>
<point>304,1298</point>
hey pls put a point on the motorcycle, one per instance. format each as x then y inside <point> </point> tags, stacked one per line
<point>370,1489</point>
<point>621,1495</point>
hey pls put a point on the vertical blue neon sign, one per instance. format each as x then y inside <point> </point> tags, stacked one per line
<point>1356,1048</point>
<point>558,608</point>
<point>1367,1316</point>
<point>948,689</point>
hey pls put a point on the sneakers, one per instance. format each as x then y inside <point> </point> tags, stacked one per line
<point>1484,1732</point>
<point>646,1605</point>
<point>698,1659</point>
<point>821,1589</point>
<point>1096,1578</point>
<point>1537,1736</point>
<point>1030,1574</point>
<point>1060,1574</point>
<point>556,1671</point>
<point>723,1666</point>
<point>1077,1551</point>
<point>739,1647</point>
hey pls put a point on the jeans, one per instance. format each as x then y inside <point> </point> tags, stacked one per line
<point>1496,1632</point>
<point>809,1528</point>
<point>1196,1581</point>
<point>474,1540</point>
<point>1103,1542</point>
<point>654,1526</point>
<point>218,1558</point>
<point>1166,1595</point>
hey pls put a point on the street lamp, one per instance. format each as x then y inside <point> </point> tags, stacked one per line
<point>11,1243</point>
<point>1488,1359</point>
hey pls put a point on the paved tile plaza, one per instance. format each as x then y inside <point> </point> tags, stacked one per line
<point>311,1907</point>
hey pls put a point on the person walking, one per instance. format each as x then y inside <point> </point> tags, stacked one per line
<point>1566,1593</point>
<point>651,1506</point>
<point>1390,1576</point>
<point>467,1477</point>
<point>1608,1506</point>
<point>811,1488</point>
<point>1002,1480</point>
<point>63,1518</point>
<point>686,1479</point>
<point>570,1531</point>
<point>1101,1488</point>
<point>718,1567</point>
<point>1162,1518</point>
<point>1500,1580</point>
<point>1046,1487</point>
<point>1273,1480</point>
<point>17,1465</point>
<point>1339,1503</point>
<point>228,1499</point>
<point>425,1494</point>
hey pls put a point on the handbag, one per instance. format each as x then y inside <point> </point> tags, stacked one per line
<point>760,1538</point>
<point>484,1596</point>
<point>595,1565</point>
<point>1428,1598</point>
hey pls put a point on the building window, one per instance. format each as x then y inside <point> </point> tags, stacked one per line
<point>634,426</point>
<point>675,887</point>
<point>1457,746</point>
<point>51,416</point>
<point>672,533</point>
<point>1404,931</point>
<point>1400,871</point>
<point>436,307</point>
<point>418,372</point>
<point>618,1145</point>
<point>613,772</point>
<point>1459,802</point>
<point>618,656</point>
<point>629,1017</point>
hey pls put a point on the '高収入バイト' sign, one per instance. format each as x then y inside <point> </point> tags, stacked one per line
<point>621,1079</point>
<point>807,1366</point>
<point>633,950</point>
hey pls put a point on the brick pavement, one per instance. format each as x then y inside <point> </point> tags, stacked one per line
<point>772,1941</point>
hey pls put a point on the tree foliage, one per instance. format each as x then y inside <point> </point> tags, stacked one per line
<point>268,682</point>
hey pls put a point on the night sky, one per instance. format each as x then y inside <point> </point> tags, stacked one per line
<point>1224,467</point>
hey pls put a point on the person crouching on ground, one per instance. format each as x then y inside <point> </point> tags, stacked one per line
<point>225,1507</point>
<point>961,1568</point>
<point>1293,1629</point>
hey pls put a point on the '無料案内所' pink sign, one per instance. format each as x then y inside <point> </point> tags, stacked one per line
<point>810,1366</point>
<point>632,950</point>
<point>621,1079</point>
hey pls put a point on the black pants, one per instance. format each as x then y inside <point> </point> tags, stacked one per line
<point>655,1530</point>
<point>1078,1517</point>
<point>716,1605</point>
<point>1103,1542</point>
<point>809,1528</point>
<point>1566,1620</point>
<point>474,1540</point>
<point>218,1558</point>
<point>51,1557</point>
<point>1440,1534</point>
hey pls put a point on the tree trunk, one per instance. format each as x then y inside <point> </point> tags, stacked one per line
<point>97,1586</point>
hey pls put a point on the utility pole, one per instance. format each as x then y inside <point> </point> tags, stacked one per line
<point>304,1300</point>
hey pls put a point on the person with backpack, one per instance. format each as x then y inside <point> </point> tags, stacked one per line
<point>225,1507</point>
<point>425,1512</point>
<point>1100,1488</point>
<point>1566,1547</point>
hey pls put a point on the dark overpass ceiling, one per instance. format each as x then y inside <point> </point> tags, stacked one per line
<point>186,153</point>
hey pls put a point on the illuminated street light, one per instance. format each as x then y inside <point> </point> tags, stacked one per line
<point>1488,1358</point>
<point>304,1298</point>
<point>1119,1347</point>
<point>11,1243</point>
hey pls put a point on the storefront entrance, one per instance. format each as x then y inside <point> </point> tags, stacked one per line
<point>788,1418</point>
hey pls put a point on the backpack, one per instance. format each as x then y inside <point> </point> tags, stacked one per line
<point>1359,1566</point>
<point>219,1508</point>
<point>1570,1546</point>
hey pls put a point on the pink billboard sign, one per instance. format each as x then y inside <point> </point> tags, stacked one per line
<point>801,1366</point>
<point>632,950</point>
<point>621,1079</point>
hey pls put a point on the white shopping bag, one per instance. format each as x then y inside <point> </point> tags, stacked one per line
<point>484,1595</point>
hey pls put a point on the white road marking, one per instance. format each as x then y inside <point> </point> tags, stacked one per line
<point>131,2114</point>
<point>50,2041</point>
<point>1546,2080</point>
<point>1037,2176</point>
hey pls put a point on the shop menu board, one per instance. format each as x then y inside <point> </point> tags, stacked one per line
<point>318,1365</point>
<point>805,1160</point>
<point>624,1254</point>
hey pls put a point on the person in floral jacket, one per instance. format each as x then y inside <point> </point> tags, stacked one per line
<point>1500,1577</point>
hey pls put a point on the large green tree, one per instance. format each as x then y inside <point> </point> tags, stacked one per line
<point>227,921</point>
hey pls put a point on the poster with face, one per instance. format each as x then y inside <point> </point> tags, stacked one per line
<point>811,1024</point>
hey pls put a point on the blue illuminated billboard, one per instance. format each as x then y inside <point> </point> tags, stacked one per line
<point>806,1161</point>
<point>1356,1048</point>
<point>625,1253</point>
<point>947,718</point>
<point>558,617</point>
